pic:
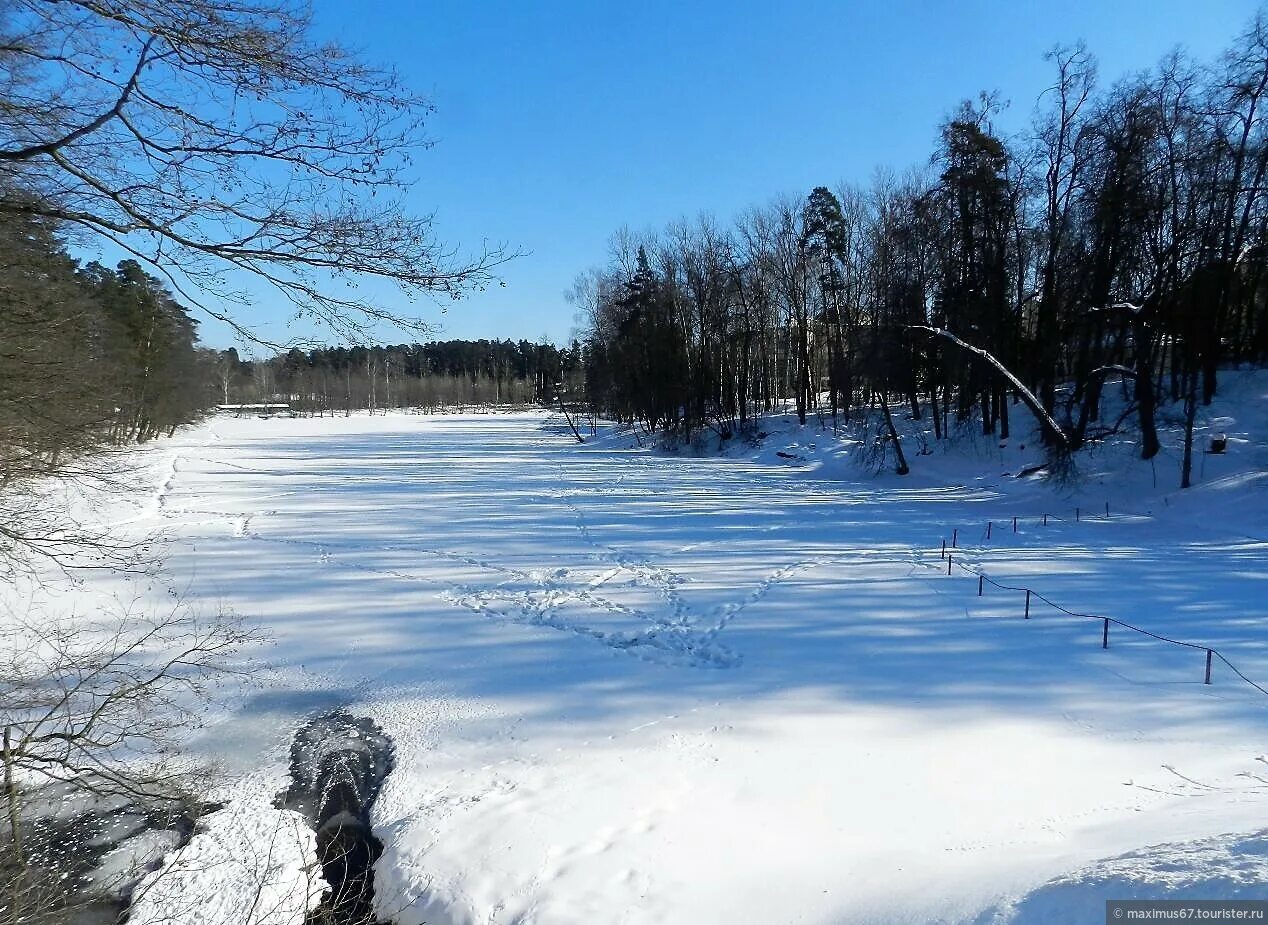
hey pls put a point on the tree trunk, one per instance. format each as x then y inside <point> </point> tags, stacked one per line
<point>1190,413</point>
<point>900,460</point>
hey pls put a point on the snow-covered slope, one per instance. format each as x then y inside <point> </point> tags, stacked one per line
<point>628,687</point>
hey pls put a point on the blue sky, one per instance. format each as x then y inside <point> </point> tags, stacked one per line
<point>558,122</point>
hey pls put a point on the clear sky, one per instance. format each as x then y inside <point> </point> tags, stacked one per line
<point>558,122</point>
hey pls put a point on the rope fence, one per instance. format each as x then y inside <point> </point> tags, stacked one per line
<point>1081,515</point>
<point>1212,653</point>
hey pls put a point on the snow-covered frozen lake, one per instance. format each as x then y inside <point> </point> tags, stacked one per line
<point>626,688</point>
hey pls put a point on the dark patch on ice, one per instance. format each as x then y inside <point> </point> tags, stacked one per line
<point>338,765</point>
<point>65,848</point>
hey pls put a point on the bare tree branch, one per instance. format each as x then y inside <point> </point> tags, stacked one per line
<point>213,138</point>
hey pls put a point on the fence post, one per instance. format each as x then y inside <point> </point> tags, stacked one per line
<point>1209,653</point>
<point>1014,524</point>
<point>944,547</point>
<point>1027,604</point>
<point>980,579</point>
<point>1105,635</point>
<point>948,565</point>
<point>1107,509</point>
<point>955,536</point>
<point>1045,520</point>
<point>1076,515</point>
<point>988,529</point>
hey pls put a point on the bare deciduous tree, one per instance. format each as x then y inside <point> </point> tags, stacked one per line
<point>101,707</point>
<point>203,137</point>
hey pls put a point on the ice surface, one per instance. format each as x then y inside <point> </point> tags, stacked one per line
<point>627,687</point>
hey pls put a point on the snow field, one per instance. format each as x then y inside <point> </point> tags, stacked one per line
<point>249,863</point>
<point>694,690</point>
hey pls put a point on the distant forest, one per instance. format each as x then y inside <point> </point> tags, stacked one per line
<point>444,373</point>
<point>1120,241</point>
<point>92,356</point>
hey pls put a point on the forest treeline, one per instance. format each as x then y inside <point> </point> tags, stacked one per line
<point>1121,238</point>
<point>90,357</point>
<point>1120,241</point>
<point>93,357</point>
<point>442,373</point>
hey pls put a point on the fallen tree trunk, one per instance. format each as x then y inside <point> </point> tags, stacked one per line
<point>1052,430</point>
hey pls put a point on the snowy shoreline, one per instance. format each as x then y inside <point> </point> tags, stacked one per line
<point>627,687</point>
